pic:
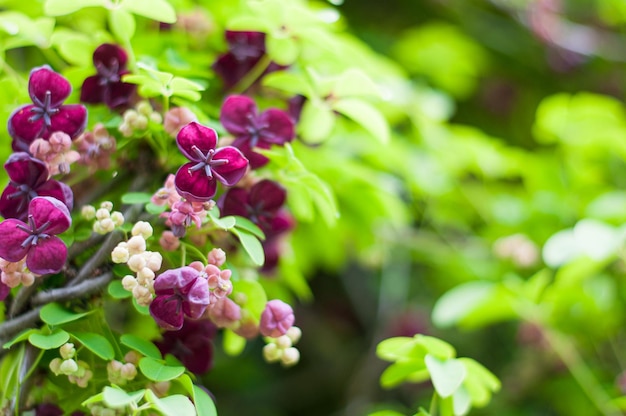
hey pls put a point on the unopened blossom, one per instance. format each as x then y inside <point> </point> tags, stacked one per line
<point>28,178</point>
<point>276,319</point>
<point>167,195</point>
<point>217,257</point>
<point>36,239</point>
<point>177,118</point>
<point>192,345</point>
<point>182,215</point>
<point>48,90</point>
<point>224,312</point>
<point>107,86</point>
<point>179,293</point>
<point>96,147</point>
<point>169,241</point>
<point>197,180</point>
<point>240,117</point>
<point>15,273</point>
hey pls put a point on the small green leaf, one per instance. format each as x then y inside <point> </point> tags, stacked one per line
<point>461,401</point>
<point>393,349</point>
<point>204,403</point>
<point>48,342</point>
<point>22,336</point>
<point>365,115</point>
<point>283,49</point>
<point>457,303</point>
<point>97,398</point>
<point>118,399</point>
<point>447,375</point>
<point>55,314</point>
<point>155,209</point>
<point>174,405</point>
<point>402,371</point>
<point>62,7</point>
<point>436,347</point>
<point>156,370</point>
<point>96,343</point>
<point>289,82</point>
<point>249,226</point>
<point>255,296</point>
<point>355,83</point>
<point>122,24</point>
<point>225,223</point>
<point>316,121</point>
<point>233,343</point>
<point>251,245</point>
<point>247,23</point>
<point>136,198</point>
<point>117,291</point>
<point>159,10</point>
<point>140,345</point>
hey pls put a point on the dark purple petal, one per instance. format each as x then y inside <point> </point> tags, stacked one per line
<point>11,239</point>
<point>71,120</point>
<point>43,80</point>
<point>232,70</point>
<point>267,194</point>
<point>22,130</point>
<point>195,134</point>
<point>47,256</point>
<point>281,223</point>
<point>236,113</point>
<point>197,298</point>
<point>280,127</point>
<point>191,345</point>
<point>110,55</point>
<point>25,169</point>
<point>194,186</point>
<point>230,173</point>
<point>167,313</point>
<point>92,91</point>
<point>245,44</point>
<point>45,209</point>
<point>4,291</point>
<point>234,202</point>
<point>256,160</point>
<point>174,279</point>
<point>119,94</point>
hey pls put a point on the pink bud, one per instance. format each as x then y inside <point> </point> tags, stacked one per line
<point>225,312</point>
<point>276,319</point>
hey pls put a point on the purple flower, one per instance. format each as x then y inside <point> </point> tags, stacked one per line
<point>245,50</point>
<point>179,292</point>
<point>276,319</point>
<point>107,86</point>
<point>272,245</point>
<point>260,205</point>
<point>196,181</point>
<point>47,90</point>
<point>239,116</point>
<point>29,179</point>
<point>36,240</point>
<point>4,291</point>
<point>192,345</point>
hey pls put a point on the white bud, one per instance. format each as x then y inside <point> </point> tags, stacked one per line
<point>144,108</point>
<point>120,255</point>
<point>102,213</point>
<point>144,276</point>
<point>271,353</point>
<point>283,342</point>
<point>88,212</point>
<point>107,225</point>
<point>290,357</point>
<point>128,371</point>
<point>143,229</point>
<point>117,218</point>
<point>294,333</point>
<point>68,367</point>
<point>67,350</point>
<point>55,366</point>
<point>136,245</point>
<point>129,282</point>
<point>108,205</point>
<point>154,260</point>
<point>136,262</point>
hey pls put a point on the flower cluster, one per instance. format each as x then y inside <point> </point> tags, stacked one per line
<point>137,120</point>
<point>106,218</point>
<point>14,274</point>
<point>96,147</point>
<point>120,373</point>
<point>282,348</point>
<point>77,372</point>
<point>56,152</point>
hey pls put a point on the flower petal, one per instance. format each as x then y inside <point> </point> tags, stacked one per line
<point>198,298</point>
<point>71,120</point>
<point>22,130</point>
<point>230,173</point>
<point>47,209</point>
<point>108,53</point>
<point>4,291</point>
<point>47,256</point>
<point>44,79</point>
<point>268,193</point>
<point>166,313</point>
<point>236,113</point>
<point>92,91</point>
<point>11,239</point>
<point>234,202</point>
<point>13,204</point>
<point>232,70</point>
<point>256,160</point>
<point>280,128</point>
<point>23,169</point>
<point>119,94</point>
<point>194,186</point>
<point>174,279</point>
<point>195,134</point>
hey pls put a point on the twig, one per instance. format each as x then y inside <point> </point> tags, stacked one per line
<point>74,291</point>
<point>22,297</point>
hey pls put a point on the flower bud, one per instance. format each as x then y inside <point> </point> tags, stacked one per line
<point>117,218</point>
<point>283,342</point>
<point>68,367</point>
<point>108,205</point>
<point>290,357</point>
<point>153,260</point>
<point>136,262</point>
<point>217,257</point>
<point>132,356</point>
<point>128,371</point>
<point>88,212</point>
<point>169,241</point>
<point>144,108</point>
<point>107,225</point>
<point>102,213</point>
<point>129,282</point>
<point>136,245</point>
<point>67,350</point>
<point>294,333</point>
<point>143,229</point>
<point>55,366</point>
<point>176,119</point>
<point>276,319</point>
<point>120,254</point>
<point>271,353</point>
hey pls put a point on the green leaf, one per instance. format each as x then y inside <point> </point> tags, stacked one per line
<point>480,382</point>
<point>316,121</point>
<point>233,344</point>
<point>55,314</point>
<point>140,345</point>
<point>447,375</point>
<point>402,371</point>
<point>117,291</point>
<point>393,349</point>
<point>76,48</point>
<point>288,82</point>
<point>436,347</point>
<point>155,209</point>
<point>247,23</point>
<point>159,10</point>
<point>251,245</point>
<point>247,225</point>
<point>136,198</point>
<point>462,402</point>
<point>204,402</point>
<point>22,336</point>
<point>255,296</point>
<point>386,413</point>
<point>182,84</point>
<point>122,24</point>
<point>47,342</point>
<point>117,398</point>
<point>96,343</point>
<point>225,223</point>
<point>93,399</point>
<point>156,370</point>
<point>62,7</point>
<point>355,83</point>
<point>461,300</point>
<point>365,115</point>
<point>283,49</point>
<point>174,405</point>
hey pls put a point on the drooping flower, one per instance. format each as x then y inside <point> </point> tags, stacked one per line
<point>180,293</point>
<point>29,179</point>
<point>96,147</point>
<point>48,90</point>
<point>36,240</point>
<point>276,319</point>
<point>183,215</point>
<point>245,50</point>
<point>55,152</point>
<point>260,204</point>
<point>196,181</point>
<point>107,86</point>
<point>240,117</point>
<point>192,345</point>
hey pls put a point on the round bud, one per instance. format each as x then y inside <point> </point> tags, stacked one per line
<point>68,367</point>
<point>290,357</point>
<point>271,353</point>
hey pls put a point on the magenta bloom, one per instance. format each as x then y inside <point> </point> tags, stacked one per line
<point>37,241</point>
<point>240,117</point>
<point>276,319</point>
<point>179,292</point>
<point>47,114</point>
<point>29,179</point>
<point>192,345</point>
<point>196,181</point>
<point>107,86</point>
<point>260,205</point>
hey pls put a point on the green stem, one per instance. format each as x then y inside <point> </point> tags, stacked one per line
<point>183,251</point>
<point>432,410</point>
<point>581,372</point>
<point>252,75</point>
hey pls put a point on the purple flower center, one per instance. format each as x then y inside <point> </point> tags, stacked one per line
<point>206,161</point>
<point>24,193</point>
<point>34,233</point>
<point>43,110</point>
<point>242,49</point>
<point>108,74</point>
<point>255,128</point>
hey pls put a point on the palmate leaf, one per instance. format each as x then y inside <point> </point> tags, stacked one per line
<point>95,343</point>
<point>366,115</point>
<point>159,10</point>
<point>251,245</point>
<point>62,7</point>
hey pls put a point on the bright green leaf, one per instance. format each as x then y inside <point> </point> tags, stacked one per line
<point>247,225</point>
<point>118,399</point>
<point>48,342</point>
<point>447,375</point>
<point>204,403</point>
<point>22,336</point>
<point>283,50</point>
<point>117,291</point>
<point>96,343</point>
<point>156,370</point>
<point>365,115</point>
<point>62,7</point>
<point>136,198</point>
<point>251,245</point>
<point>159,10</point>
<point>393,349</point>
<point>400,372</point>
<point>436,347</point>
<point>140,345</point>
<point>461,300</point>
<point>233,343</point>
<point>316,121</point>
<point>55,314</point>
<point>122,24</point>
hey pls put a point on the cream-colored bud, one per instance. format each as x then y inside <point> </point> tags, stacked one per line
<point>130,116</point>
<point>117,218</point>
<point>290,357</point>
<point>154,261</point>
<point>129,282</point>
<point>68,367</point>
<point>55,366</point>
<point>120,255</point>
<point>136,262</point>
<point>108,205</point>
<point>140,123</point>
<point>144,108</point>
<point>271,353</point>
<point>136,245</point>
<point>283,342</point>
<point>88,212</point>
<point>102,213</point>
<point>97,228</point>
<point>143,229</point>
<point>114,367</point>
<point>28,279</point>
<point>294,333</point>
<point>67,350</point>
<point>107,225</point>
<point>144,276</point>
<point>156,118</point>
<point>140,292</point>
<point>132,356</point>
<point>128,371</point>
